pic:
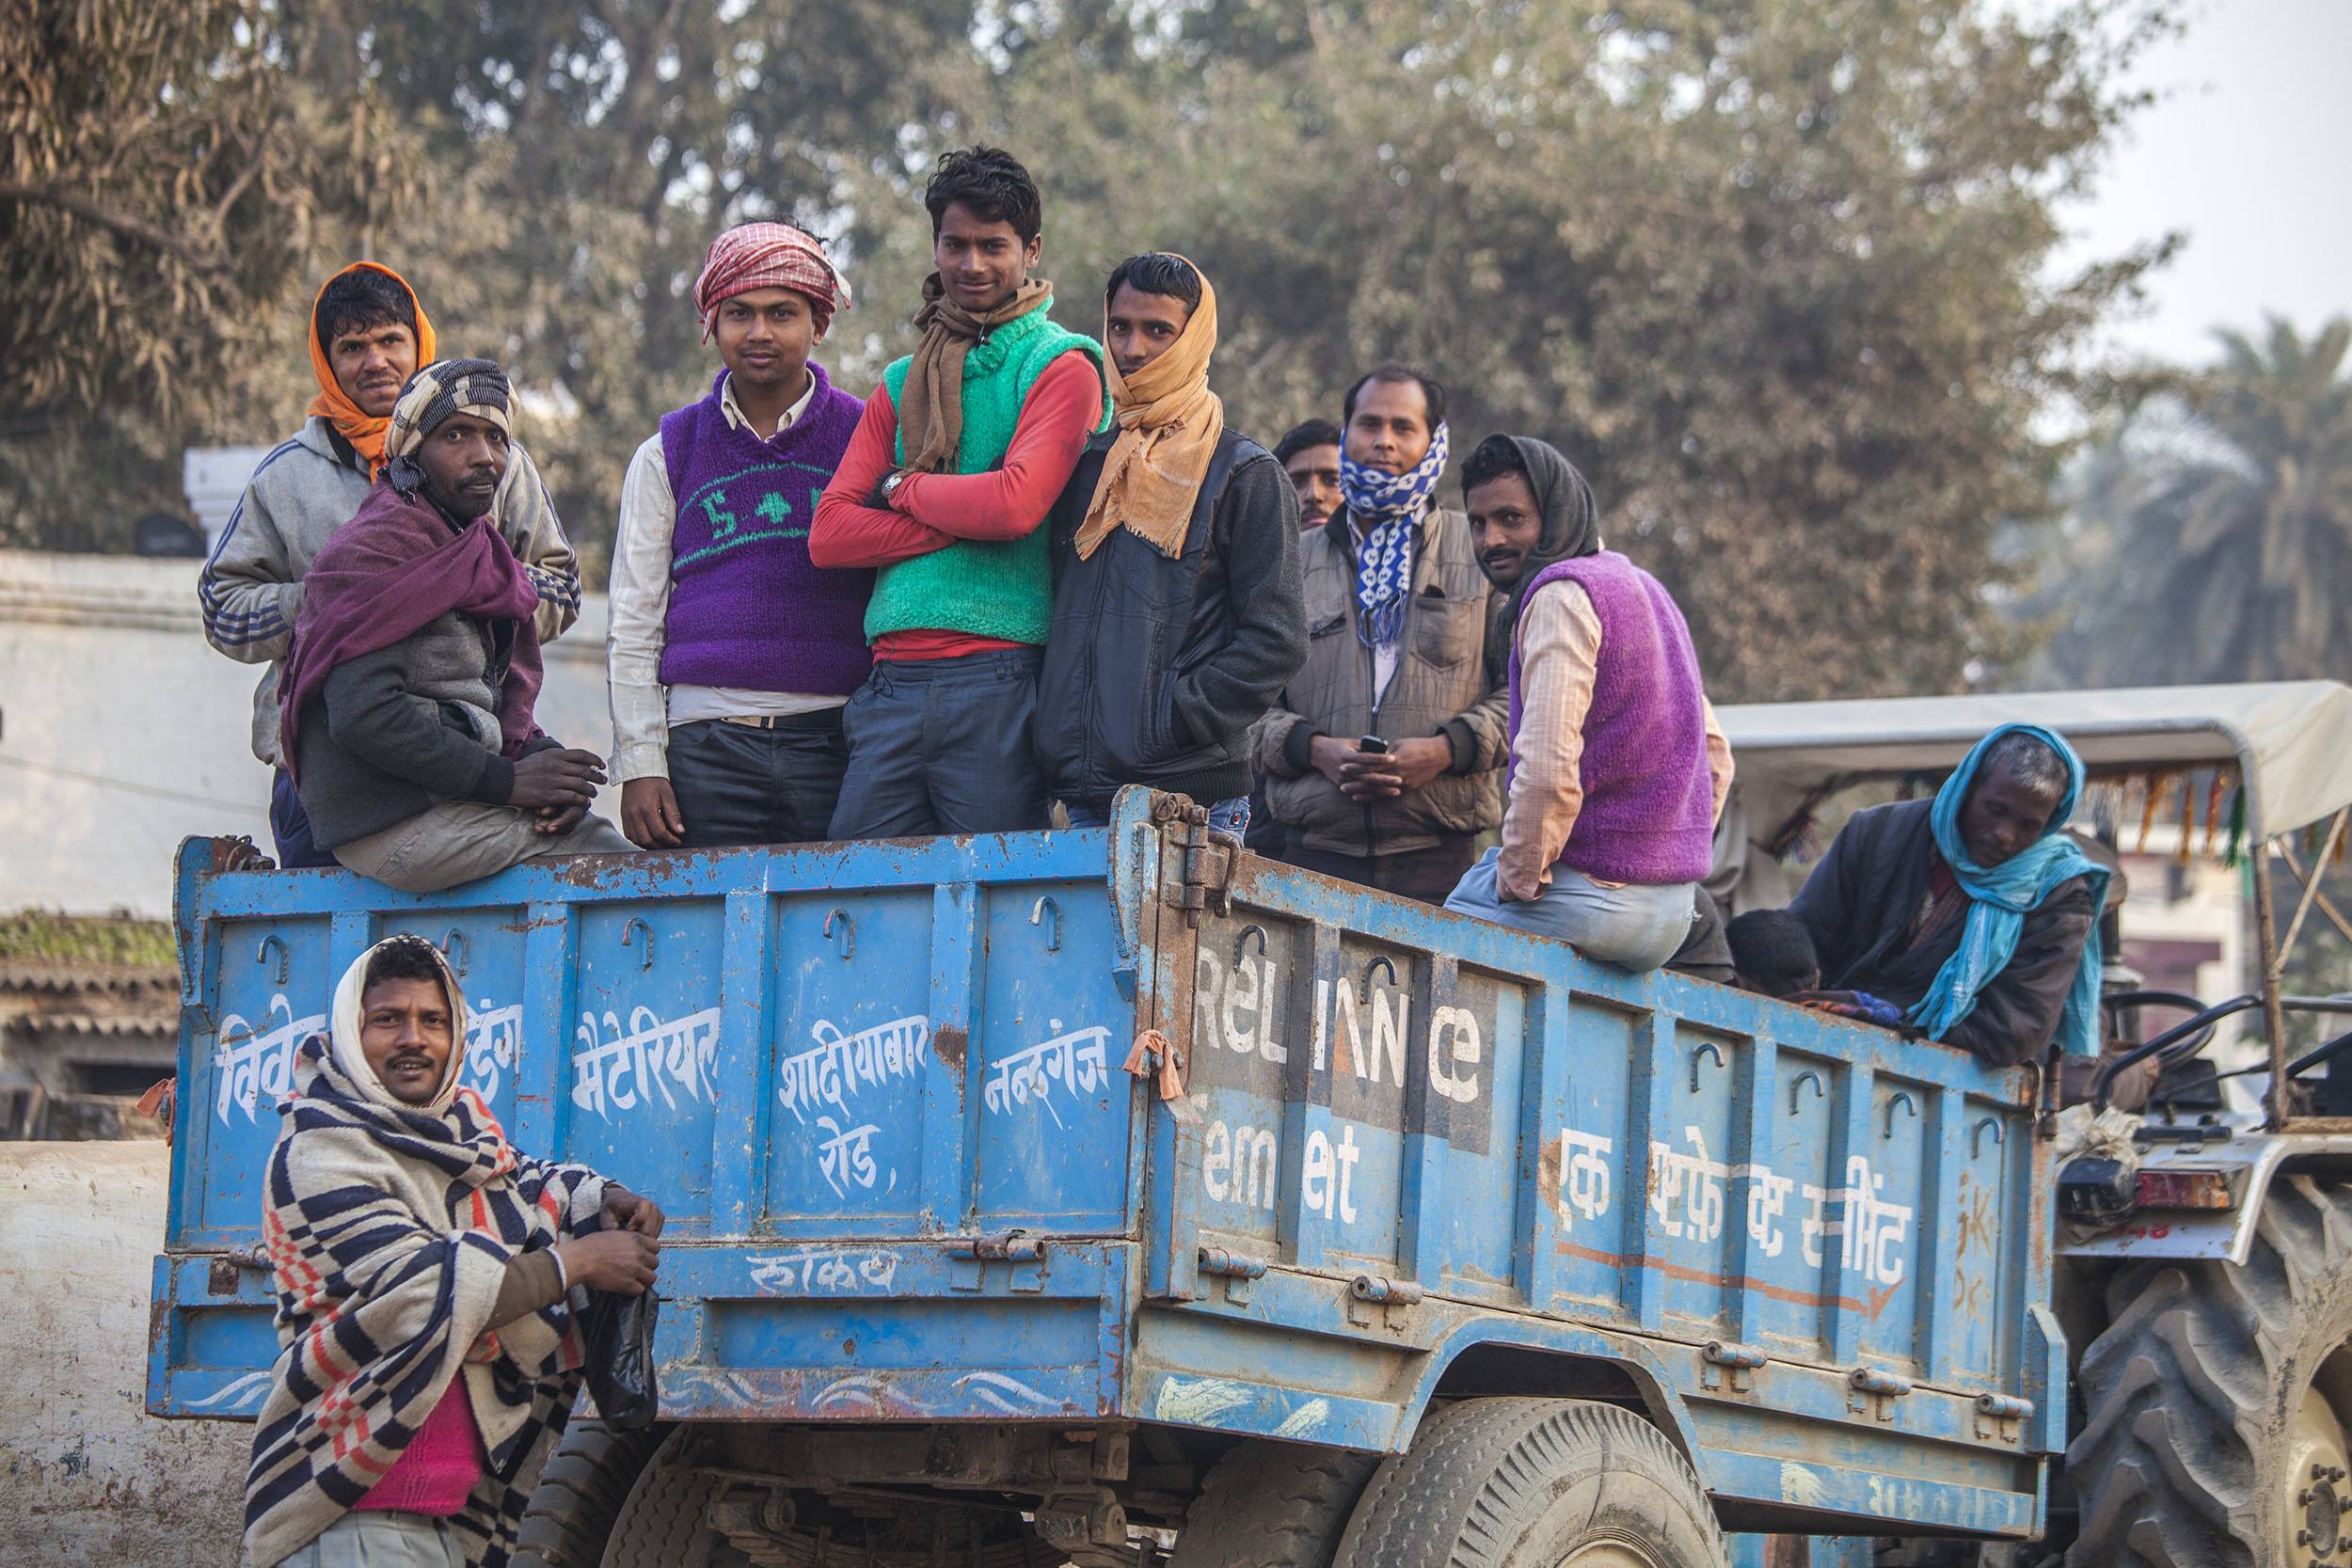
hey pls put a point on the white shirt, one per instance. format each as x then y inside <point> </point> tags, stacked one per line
<point>637,625</point>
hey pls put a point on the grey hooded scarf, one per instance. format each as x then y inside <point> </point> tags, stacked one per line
<point>1571,517</point>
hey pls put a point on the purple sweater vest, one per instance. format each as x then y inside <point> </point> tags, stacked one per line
<point>747,607</point>
<point>1648,813</point>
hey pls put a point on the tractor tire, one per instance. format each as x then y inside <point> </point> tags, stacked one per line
<point>1272,1504</point>
<point>1534,1483</point>
<point>580,1491</point>
<point>2213,1404</point>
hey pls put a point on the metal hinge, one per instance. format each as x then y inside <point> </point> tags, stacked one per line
<point>1236,1269</point>
<point>1204,861</point>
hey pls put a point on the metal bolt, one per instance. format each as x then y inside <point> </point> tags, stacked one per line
<point>2303,1498</point>
<point>2336,1474</point>
<point>2302,1537</point>
<point>2319,1472</point>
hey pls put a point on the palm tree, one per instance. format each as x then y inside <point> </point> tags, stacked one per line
<point>2214,530</point>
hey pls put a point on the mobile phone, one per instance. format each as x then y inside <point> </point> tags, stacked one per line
<point>1371,743</point>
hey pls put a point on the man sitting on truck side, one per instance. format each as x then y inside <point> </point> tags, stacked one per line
<point>728,652</point>
<point>1617,766</point>
<point>945,488</point>
<point>1176,608</point>
<point>367,333</point>
<point>415,666</point>
<point>1400,651</point>
<point>424,1269</point>
<point>1973,913</point>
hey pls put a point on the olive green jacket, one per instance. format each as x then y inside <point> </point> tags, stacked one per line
<point>1451,680</point>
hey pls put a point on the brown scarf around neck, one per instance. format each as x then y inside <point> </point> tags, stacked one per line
<point>930,406</point>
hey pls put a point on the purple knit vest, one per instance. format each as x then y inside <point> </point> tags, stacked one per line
<point>1648,815</point>
<point>747,607</point>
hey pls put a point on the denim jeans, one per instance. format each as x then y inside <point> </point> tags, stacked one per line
<point>382,1538</point>
<point>1635,925</point>
<point>944,746</point>
<point>738,783</point>
<point>290,825</point>
<point>1226,817</point>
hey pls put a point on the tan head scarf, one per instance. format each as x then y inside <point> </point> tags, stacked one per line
<point>1168,423</point>
<point>344,1025</point>
<point>930,406</point>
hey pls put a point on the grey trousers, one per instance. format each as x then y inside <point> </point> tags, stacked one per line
<point>382,1539</point>
<point>1637,926</point>
<point>456,841</point>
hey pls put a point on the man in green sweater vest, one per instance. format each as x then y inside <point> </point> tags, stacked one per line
<point>944,487</point>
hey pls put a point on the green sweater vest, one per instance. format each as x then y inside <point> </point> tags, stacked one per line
<point>1002,589</point>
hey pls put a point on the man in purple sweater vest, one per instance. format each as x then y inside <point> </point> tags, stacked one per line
<point>1616,767</point>
<point>729,653</point>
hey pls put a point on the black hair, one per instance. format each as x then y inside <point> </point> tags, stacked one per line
<point>403,958</point>
<point>2030,762</point>
<point>1491,459</point>
<point>1306,433</point>
<point>1155,272</point>
<point>1394,370</point>
<point>991,184</point>
<point>1774,952</point>
<point>359,299</point>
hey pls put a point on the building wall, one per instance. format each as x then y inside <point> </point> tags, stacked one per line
<point>90,1479</point>
<point>123,732</point>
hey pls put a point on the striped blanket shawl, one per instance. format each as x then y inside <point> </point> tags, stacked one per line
<point>390,1232</point>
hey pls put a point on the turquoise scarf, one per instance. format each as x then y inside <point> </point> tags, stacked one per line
<point>2000,897</point>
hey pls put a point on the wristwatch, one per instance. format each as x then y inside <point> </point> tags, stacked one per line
<point>890,484</point>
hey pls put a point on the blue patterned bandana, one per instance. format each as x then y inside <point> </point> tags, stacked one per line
<point>1386,506</point>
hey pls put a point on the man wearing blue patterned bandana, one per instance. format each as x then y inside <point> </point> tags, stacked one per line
<point>1383,757</point>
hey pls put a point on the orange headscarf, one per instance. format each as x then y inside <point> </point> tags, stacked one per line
<point>364,431</point>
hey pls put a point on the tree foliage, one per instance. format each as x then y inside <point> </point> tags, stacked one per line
<point>2212,530</point>
<point>1773,273</point>
<point>164,173</point>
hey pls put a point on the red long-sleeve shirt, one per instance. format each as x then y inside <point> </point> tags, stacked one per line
<point>929,512</point>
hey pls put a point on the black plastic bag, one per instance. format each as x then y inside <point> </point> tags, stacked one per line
<point>619,1334</point>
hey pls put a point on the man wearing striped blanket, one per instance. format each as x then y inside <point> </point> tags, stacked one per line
<point>427,1274</point>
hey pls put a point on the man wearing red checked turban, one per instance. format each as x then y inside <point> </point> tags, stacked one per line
<point>729,653</point>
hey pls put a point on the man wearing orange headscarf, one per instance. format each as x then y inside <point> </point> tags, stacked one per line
<point>368,334</point>
<point>1177,606</point>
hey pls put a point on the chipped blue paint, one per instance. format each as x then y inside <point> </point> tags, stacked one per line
<point>881,1089</point>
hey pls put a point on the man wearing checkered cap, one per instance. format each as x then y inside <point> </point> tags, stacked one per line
<point>407,703</point>
<point>729,655</point>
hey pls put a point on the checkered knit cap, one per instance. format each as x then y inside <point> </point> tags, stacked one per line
<point>446,387</point>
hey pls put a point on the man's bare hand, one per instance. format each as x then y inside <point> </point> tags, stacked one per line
<point>555,822</point>
<point>621,1261</point>
<point>649,814</point>
<point>623,1208</point>
<point>556,777</point>
<point>1406,766</point>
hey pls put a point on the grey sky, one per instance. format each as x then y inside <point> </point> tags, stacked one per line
<point>2251,154</point>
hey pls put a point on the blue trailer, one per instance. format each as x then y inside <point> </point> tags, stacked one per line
<point>1109,1196</point>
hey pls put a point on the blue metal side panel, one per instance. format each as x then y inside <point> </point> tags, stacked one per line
<point>799,1051</point>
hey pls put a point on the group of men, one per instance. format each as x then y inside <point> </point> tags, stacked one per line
<point>1030,567</point>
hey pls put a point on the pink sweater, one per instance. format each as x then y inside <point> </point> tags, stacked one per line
<point>436,1473</point>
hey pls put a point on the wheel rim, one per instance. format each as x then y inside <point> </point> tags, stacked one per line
<point>1609,1554</point>
<point>2314,1496</point>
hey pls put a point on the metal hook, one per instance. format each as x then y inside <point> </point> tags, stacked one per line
<point>1797,1083</point>
<point>1380,962</point>
<point>1241,943</point>
<point>457,950</point>
<point>1037,912</point>
<point>1706,1048</point>
<point>285,960</point>
<point>1976,1139</point>
<point>645,954</point>
<point>848,938</point>
<point>1902,1098</point>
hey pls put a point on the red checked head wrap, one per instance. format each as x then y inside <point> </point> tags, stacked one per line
<point>769,255</point>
